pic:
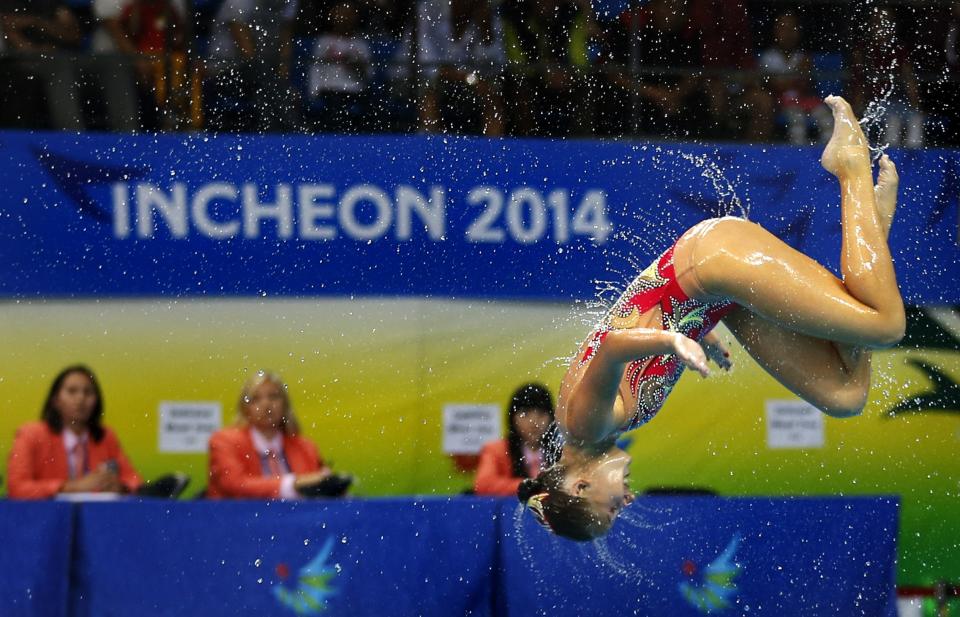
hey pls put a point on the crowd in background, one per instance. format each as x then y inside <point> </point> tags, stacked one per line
<point>679,69</point>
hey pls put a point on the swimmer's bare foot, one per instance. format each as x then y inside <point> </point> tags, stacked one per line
<point>886,191</point>
<point>847,148</point>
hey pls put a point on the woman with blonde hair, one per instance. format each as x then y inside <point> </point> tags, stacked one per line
<point>263,456</point>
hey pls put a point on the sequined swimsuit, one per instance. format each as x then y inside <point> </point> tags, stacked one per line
<point>652,378</point>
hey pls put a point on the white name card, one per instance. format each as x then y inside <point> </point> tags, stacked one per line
<point>793,424</point>
<point>186,426</point>
<point>466,427</point>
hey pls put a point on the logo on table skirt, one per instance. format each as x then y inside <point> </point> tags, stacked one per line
<point>713,589</point>
<point>312,586</point>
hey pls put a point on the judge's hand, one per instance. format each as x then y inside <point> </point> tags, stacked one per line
<point>101,480</point>
<point>304,480</point>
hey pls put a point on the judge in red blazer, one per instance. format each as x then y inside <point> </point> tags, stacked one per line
<point>69,450</point>
<point>263,456</point>
<point>506,462</point>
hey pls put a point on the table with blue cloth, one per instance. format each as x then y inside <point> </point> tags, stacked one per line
<point>670,556</point>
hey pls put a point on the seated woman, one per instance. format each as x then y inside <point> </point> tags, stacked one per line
<point>263,456</point>
<point>504,463</point>
<point>811,331</point>
<point>69,450</point>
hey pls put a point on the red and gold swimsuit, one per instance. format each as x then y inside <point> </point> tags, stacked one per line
<point>652,378</point>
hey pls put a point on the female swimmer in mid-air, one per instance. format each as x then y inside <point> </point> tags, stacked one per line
<point>809,330</point>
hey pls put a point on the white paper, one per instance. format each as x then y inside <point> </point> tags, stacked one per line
<point>186,426</point>
<point>793,424</point>
<point>467,426</point>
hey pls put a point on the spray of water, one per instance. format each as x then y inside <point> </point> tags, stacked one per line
<point>883,110</point>
<point>729,202</point>
<point>618,555</point>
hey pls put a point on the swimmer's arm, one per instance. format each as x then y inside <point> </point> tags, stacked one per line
<point>623,346</point>
<point>590,416</point>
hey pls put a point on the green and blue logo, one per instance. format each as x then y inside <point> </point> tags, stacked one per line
<point>313,585</point>
<point>713,590</point>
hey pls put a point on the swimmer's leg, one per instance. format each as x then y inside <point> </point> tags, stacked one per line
<point>738,260</point>
<point>831,376</point>
<point>886,192</point>
<point>865,257</point>
<point>834,377</point>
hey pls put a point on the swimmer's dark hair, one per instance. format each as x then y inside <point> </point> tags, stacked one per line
<point>562,513</point>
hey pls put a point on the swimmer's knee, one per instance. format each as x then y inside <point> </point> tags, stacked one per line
<point>844,402</point>
<point>894,329</point>
<point>841,411</point>
<point>886,331</point>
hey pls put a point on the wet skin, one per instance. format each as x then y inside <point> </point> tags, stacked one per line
<point>604,483</point>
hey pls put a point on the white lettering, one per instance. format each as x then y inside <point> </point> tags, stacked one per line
<point>364,212</point>
<point>348,219</point>
<point>313,210</point>
<point>482,229</point>
<point>559,201</point>
<point>538,220</point>
<point>201,216</point>
<point>173,209</point>
<point>590,219</point>
<point>121,211</point>
<point>432,212</point>
<point>254,211</point>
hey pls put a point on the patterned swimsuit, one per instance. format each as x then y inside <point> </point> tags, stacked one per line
<point>652,378</point>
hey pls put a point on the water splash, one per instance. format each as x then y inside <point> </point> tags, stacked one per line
<point>616,556</point>
<point>873,121</point>
<point>729,203</point>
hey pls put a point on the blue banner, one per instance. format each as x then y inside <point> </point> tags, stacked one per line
<point>669,557</point>
<point>370,558</point>
<point>198,215</point>
<point>665,557</point>
<point>35,558</point>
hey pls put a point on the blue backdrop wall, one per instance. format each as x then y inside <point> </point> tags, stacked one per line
<point>176,215</point>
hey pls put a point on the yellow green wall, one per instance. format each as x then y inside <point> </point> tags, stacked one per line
<point>368,379</point>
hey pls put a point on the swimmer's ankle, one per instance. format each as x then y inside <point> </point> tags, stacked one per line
<point>852,161</point>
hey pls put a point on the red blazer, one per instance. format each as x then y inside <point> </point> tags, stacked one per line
<point>495,471</point>
<point>235,465</point>
<point>38,464</point>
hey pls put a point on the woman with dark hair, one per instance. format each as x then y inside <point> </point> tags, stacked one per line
<point>809,330</point>
<point>69,450</point>
<point>506,462</point>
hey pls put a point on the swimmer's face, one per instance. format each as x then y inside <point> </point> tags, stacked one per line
<point>266,406</point>
<point>604,485</point>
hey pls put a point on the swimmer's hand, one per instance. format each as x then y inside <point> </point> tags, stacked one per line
<point>717,351</point>
<point>690,353</point>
